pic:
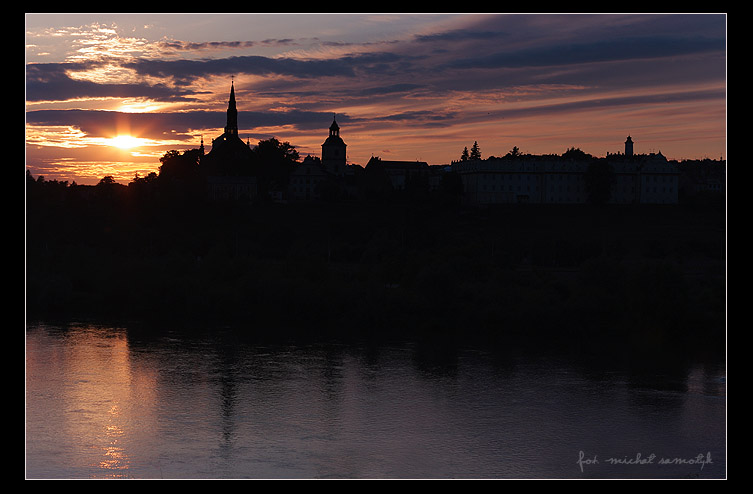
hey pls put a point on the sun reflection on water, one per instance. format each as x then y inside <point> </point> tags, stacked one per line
<point>115,462</point>
<point>96,398</point>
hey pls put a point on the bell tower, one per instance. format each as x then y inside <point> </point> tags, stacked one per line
<point>333,151</point>
<point>629,147</point>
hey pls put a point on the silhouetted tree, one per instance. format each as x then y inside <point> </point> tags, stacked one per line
<point>179,176</point>
<point>276,161</point>
<point>513,153</point>
<point>176,166</point>
<point>142,189</point>
<point>475,151</point>
<point>464,154</point>
<point>105,187</point>
<point>576,154</point>
<point>106,181</point>
<point>149,178</point>
<point>273,149</point>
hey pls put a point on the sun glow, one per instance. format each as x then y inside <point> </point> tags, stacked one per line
<point>125,141</point>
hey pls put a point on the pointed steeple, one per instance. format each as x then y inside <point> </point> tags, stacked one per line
<point>232,113</point>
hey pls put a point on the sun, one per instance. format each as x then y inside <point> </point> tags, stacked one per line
<point>125,141</point>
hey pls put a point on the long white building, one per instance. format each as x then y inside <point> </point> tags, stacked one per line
<point>638,179</point>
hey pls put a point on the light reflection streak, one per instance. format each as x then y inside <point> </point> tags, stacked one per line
<point>98,409</point>
<point>116,461</point>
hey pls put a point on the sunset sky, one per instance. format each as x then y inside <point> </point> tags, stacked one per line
<point>109,94</point>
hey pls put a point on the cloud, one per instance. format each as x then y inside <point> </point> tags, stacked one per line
<point>458,35</point>
<point>52,82</point>
<point>172,125</point>
<point>100,123</point>
<point>652,100</point>
<point>425,117</point>
<point>627,48</point>
<point>428,58</point>
<point>176,45</point>
<point>191,46</point>
<point>391,89</point>
<point>190,70</point>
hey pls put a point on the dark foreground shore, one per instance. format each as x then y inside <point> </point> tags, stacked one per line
<point>650,277</point>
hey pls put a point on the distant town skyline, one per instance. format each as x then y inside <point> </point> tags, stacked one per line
<point>109,94</point>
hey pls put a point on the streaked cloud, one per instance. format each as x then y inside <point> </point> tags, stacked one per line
<point>172,125</point>
<point>53,82</point>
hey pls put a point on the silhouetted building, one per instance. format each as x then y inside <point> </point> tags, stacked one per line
<point>638,179</point>
<point>633,178</point>
<point>229,154</point>
<point>704,177</point>
<point>334,151</point>
<point>231,188</point>
<point>229,165</point>
<point>307,179</point>
<point>327,178</point>
<point>401,173</point>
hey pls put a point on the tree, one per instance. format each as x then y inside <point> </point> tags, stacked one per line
<point>149,178</point>
<point>179,178</point>
<point>274,150</point>
<point>514,152</point>
<point>576,154</point>
<point>475,151</point>
<point>464,154</point>
<point>276,161</point>
<point>176,166</point>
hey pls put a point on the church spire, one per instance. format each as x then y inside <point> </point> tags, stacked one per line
<point>232,113</point>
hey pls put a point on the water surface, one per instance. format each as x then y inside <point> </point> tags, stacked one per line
<point>108,402</point>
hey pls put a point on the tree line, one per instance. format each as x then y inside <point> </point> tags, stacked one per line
<point>582,275</point>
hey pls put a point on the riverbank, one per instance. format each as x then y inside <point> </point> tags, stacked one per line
<point>651,277</point>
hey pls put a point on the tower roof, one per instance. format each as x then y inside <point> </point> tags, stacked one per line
<point>334,138</point>
<point>232,113</point>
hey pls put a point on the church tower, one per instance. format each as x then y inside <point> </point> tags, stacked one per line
<point>229,154</point>
<point>629,147</point>
<point>333,151</point>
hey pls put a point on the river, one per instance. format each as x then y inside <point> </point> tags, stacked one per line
<point>106,402</point>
